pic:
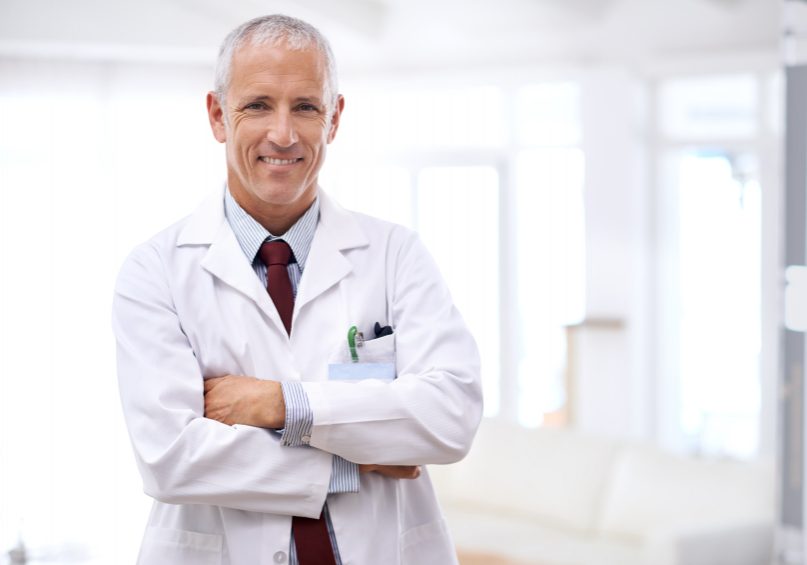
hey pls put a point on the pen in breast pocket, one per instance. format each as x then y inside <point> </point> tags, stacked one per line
<point>354,339</point>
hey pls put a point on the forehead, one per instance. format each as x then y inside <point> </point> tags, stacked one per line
<point>262,67</point>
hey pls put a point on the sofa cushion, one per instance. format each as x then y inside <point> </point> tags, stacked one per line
<point>553,475</point>
<point>532,542</point>
<point>653,490</point>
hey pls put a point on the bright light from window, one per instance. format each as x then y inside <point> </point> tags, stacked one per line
<point>719,331</point>
<point>550,262</point>
<point>713,107</point>
<point>379,119</point>
<point>90,165</point>
<point>458,219</point>
<point>384,192</point>
<point>549,114</point>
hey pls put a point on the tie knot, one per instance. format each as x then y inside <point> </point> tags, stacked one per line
<point>275,252</point>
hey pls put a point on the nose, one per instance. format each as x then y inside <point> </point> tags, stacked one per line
<point>281,131</point>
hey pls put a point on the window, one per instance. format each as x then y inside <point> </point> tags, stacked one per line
<point>74,199</point>
<point>705,108</point>
<point>711,324</point>
<point>719,321</point>
<point>550,266</point>
<point>458,219</point>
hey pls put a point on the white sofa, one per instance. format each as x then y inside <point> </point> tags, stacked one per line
<point>550,497</point>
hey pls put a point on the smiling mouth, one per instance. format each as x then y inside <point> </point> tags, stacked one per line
<point>273,161</point>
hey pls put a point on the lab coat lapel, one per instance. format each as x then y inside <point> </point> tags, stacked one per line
<point>225,259</point>
<point>337,231</point>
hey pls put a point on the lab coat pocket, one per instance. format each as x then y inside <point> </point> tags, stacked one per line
<point>379,350</point>
<point>376,361</point>
<point>164,546</point>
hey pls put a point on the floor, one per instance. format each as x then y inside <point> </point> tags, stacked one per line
<point>476,558</point>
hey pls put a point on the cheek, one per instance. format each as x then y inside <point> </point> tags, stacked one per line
<point>320,138</point>
<point>243,133</point>
<point>316,131</point>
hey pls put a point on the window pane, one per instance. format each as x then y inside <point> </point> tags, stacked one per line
<point>723,107</point>
<point>719,326</point>
<point>83,178</point>
<point>549,114</point>
<point>550,262</point>
<point>381,119</point>
<point>458,219</point>
<point>384,192</point>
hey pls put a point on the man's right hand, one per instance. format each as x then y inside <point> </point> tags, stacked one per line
<point>393,471</point>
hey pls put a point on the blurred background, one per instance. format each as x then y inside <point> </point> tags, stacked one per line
<point>624,162</point>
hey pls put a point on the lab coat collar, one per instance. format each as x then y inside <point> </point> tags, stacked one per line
<point>204,224</point>
<point>337,231</point>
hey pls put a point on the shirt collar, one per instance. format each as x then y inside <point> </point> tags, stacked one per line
<point>251,235</point>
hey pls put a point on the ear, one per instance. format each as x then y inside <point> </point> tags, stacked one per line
<point>337,114</point>
<point>215,113</point>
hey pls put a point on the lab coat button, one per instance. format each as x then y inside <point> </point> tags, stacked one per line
<point>280,557</point>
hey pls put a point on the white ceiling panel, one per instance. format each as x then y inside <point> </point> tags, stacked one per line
<point>372,34</point>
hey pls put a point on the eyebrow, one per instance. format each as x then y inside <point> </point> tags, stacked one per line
<point>264,98</point>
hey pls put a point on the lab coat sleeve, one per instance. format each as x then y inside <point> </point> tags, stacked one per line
<point>183,457</point>
<point>430,413</point>
<point>299,419</point>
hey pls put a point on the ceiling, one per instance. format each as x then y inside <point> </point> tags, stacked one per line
<point>369,35</point>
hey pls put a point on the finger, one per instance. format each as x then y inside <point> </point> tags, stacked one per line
<point>211,382</point>
<point>397,471</point>
<point>408,472</point>
<point>403,470</point>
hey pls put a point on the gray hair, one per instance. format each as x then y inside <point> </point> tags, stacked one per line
<point>271,30</point>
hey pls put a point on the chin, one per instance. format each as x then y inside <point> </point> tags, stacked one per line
<point>281,197</point>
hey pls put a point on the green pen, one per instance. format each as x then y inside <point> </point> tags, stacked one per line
<point>351,342</point>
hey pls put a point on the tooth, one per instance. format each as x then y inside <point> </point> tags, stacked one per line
<point>272,161</point>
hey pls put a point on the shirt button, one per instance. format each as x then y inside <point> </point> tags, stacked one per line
<point>280,557</point>
<point>306,439</point>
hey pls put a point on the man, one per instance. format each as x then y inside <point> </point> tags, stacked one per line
<point>263,433</point>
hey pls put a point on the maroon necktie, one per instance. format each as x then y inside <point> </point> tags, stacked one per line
<point>310,535</point>
<point>276,255</point>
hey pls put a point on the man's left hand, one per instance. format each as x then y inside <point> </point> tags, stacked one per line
<point>234,399</point>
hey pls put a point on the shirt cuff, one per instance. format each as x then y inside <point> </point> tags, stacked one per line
<point>344,476</point>
<point>299,416</point>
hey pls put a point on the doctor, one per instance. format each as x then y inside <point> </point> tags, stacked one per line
<point>258,436</point>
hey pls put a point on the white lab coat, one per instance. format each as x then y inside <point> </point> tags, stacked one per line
<point>188,305</point>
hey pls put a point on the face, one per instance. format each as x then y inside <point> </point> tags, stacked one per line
<point>276,123</point>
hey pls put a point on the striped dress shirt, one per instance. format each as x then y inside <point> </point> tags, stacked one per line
<point>299,417</point>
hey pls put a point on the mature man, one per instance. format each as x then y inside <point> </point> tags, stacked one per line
<point>287,366</point>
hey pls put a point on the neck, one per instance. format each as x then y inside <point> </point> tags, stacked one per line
<point>277,218</point>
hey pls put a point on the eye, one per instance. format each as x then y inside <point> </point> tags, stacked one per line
<point>306,107</point>
<point>255,106</point>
